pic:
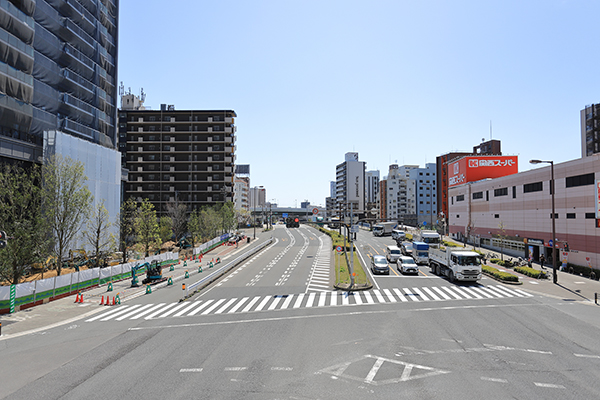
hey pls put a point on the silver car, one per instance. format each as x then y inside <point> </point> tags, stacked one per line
<point>407,265</point>
<point>379,265</point>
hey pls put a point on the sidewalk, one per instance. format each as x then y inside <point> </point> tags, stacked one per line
<point>65,310</point>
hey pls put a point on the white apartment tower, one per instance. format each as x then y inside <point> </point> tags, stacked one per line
<point>350,183</point>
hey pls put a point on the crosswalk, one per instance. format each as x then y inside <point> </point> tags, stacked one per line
<point>319,276</point>
<point>306,300</point>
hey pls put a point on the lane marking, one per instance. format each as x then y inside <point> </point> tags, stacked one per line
<point>549,385</point>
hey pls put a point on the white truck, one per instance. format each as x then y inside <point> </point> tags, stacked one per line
<point>432,238</point>
<point>457,265</point>
<point>384,228</point>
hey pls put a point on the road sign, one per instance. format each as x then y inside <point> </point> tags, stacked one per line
<point>315,211</point>
<point>550,242</point>
<point>284,215</point>
<point>339,249</point>
<point>354,228</point>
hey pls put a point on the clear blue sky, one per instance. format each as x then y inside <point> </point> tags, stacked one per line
<point>396,81</point>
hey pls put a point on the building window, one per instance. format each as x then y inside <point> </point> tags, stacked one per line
<point>477,195</point>
<point>151,128</point>
<point>460,197</point>
<point>501,192</point>
<point>555,216</point>
<point>533,187</point>
<point>514,192</point>
<point>590,215</point>
<point>579,180</point>
<point>151,138</point>
<point>152,118</point>
<point>496,215</point>
<point>570,215</point>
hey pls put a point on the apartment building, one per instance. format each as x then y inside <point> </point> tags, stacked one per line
<point>397,197</point>
<point>58,68</point>
<point>590,130</point>
<point>183,155</point>
<point>350,183</point>
<point>425,182</point>
<point>241,193</point>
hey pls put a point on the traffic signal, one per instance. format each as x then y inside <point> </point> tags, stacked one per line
<point>566,246</point>
<point>2,239</point>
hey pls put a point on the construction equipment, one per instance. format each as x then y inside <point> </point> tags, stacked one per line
<point>153,273</point>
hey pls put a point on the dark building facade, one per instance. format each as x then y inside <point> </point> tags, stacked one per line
<point>172,155</point>
<point>58,72</point>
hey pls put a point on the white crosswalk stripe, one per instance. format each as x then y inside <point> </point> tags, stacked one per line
<point>321,269</point>
<point>308,300</point>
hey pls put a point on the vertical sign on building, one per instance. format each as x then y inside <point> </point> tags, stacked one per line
<point>598,204</point>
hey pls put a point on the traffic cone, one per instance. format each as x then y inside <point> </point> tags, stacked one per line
<point>200,269</point>
<point>185,263</point>
<point>118,299</point>
<point>187,275</point>
<point>113,302</point>
<point>102,301</point>
<point>148,289</point>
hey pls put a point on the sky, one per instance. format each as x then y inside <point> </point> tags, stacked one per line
<point>399,82</point>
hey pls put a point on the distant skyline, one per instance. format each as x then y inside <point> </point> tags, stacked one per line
<point>396,81</point>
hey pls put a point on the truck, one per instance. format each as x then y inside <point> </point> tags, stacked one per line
<point>420,252</point>
<point>384,228</point>
<point>432,238</point>
<point>457,265</point>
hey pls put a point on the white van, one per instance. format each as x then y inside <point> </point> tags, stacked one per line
<point>392,253</point>
<point>398,234</point>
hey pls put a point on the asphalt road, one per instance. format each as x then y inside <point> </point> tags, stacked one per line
<point>269,331</point>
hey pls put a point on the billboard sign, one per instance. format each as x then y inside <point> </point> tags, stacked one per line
<point>475,168</point>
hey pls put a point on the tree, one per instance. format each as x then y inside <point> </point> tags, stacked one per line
<point>67,201</point>
<point>178,214</point>
<point>165,230</point>
<point>502,236</point>
<point>98,234</point>
<point>22,220</point>
<point>125,222</point>
<point>146,225</point>
<point>195,227</point>
<point>227,212</point>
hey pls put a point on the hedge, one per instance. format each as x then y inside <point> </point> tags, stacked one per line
<point>531,272</point>
<point>503,276</point>
<point>583,271</point>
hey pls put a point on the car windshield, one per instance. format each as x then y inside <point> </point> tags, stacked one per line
<point>395,251</point>
<point>468,260</point>
<point>380,260</point>
<point>408,261</point>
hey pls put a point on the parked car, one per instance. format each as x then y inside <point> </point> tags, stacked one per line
<point>407,265</point>
<point>379,265</point>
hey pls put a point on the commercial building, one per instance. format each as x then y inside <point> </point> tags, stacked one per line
<point>371,189</point>
<point>241,193</point>
<point>515,211</point>
<point>490,147</point>
<point>177,155</point>
<point>350,184</point>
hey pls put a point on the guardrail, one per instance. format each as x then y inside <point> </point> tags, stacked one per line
<point>202,283</point>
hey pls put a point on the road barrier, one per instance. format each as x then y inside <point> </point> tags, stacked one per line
<point>197,286</point>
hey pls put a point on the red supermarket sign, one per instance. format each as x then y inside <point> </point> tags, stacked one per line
<point>474,168</point>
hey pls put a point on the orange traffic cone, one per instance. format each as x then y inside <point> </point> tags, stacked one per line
<point>113,303</point>
<point>102,301</point>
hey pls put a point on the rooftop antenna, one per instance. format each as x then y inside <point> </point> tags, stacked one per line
<point>142,95</point>
<point>490,129</point>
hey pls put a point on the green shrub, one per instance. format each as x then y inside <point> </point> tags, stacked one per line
<point>531,272</point>
<point>450,244</point>
<point>503,276</point>
<point>504,263</point>
<point>583,271</point>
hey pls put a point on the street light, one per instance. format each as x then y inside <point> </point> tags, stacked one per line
<point>254,208</point>
<point>554,276</point>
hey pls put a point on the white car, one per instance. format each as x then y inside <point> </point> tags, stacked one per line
<point>407,265</point>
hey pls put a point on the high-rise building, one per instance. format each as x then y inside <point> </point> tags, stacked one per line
<point>371,189</point>
<point>241,192</point>
<point>590,130</point>
<point>173,155</point>
<point>58,94</point>
<point>350,183</point>
<point>58,72</point>
<point>425,181</point>
<point>397,197</point>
